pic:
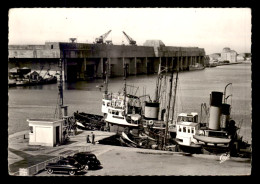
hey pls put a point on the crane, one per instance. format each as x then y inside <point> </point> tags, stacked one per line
<point>102,37</point>
<point>130,40</point>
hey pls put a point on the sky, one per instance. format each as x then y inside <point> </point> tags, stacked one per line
<point>208,28</point>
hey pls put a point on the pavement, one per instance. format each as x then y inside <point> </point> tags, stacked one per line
<point>21,155</point>
<point>118,160</point>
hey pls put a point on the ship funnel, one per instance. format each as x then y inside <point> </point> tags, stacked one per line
<point>225,115</point>
<point>151,110</point>
<point>215,110</point>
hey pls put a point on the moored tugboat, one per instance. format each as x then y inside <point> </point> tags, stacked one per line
<point>221,134</point>
<point>186,127</point>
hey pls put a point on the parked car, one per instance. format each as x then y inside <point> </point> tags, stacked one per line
<point>87,158</point>
<point>65,165</point>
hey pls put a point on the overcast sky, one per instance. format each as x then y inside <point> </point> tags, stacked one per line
<point>208,28</point>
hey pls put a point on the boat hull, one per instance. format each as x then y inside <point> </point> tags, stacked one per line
<point>212,140</point>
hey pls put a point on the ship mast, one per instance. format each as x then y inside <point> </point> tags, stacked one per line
<point>125,87</point>
<point>60,86</point>
<point>168,106</point>
<point>174,98</point>
<point>106,81</point>
<point>156,98</point>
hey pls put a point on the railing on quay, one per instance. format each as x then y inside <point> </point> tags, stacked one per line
<point>41,166</point>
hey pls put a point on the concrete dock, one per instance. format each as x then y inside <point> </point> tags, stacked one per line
<point>121,161</point>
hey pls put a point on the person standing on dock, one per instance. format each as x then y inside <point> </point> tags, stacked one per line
<point>88,140</point>
<point>93,138</point>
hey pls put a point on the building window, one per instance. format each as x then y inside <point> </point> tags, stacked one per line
<point>184,129</point>
<point>188,130</point>
<point>31,129</point>
<point>192,130</point>
<point>51,46</point>
<point>179,128</point>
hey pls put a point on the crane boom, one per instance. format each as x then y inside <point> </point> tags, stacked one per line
<point>130,40</point>
<point>102,37</point>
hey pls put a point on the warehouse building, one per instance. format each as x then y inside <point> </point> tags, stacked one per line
<point>83,60</point>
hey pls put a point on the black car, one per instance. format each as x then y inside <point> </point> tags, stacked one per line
<point>65,165</point>
<point>87,158</point>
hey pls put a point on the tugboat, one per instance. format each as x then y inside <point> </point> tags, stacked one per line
<point>221,134</point>
<point>186,127</point>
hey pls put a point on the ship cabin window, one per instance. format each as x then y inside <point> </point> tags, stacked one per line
<point>187,119</point>
<point>180,118</point>
<point>31,129</point>
<point>115,112</point>
<point>184,129</point>
<point>188,130</point>
<point>196,119</point>
<point>192,130</point>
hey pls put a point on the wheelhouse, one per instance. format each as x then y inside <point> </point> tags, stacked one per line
<point>186,127</point>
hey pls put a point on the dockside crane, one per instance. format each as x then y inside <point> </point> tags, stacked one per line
<point>102,38</point>
<point>130,40</point>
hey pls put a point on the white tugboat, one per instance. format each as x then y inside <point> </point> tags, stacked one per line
<point>186,127</point>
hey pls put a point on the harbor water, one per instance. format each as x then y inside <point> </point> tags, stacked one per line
<point>194,88</point>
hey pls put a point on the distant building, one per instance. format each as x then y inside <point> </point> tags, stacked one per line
<point>241,57</point>
<point>215,57</point>
<point>229,55</point>
<point>206,60</point>
<point>244,57</point>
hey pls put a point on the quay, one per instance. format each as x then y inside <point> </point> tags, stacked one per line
<point>118,160</point>
<point>83,61</point>
<point>22,155</point>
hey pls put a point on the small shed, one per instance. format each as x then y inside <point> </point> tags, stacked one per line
<point>45,132</point>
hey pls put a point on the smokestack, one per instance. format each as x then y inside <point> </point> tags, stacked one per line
<point>225,115</point>
<point>215,110</point>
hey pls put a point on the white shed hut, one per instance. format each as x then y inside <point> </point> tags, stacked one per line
<point>45,132</point>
